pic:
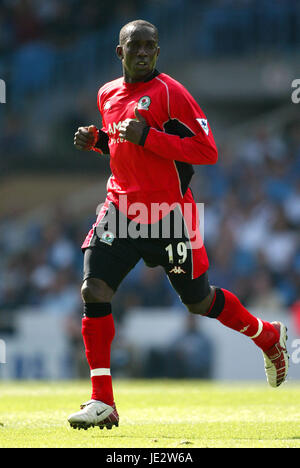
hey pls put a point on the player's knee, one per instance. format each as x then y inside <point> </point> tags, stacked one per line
<point>96,290</point>
<point>202,307</point>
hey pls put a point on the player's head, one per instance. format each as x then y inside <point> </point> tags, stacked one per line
<point>138,49</point>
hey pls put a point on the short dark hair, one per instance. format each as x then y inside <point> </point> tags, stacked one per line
<point>124,30</point>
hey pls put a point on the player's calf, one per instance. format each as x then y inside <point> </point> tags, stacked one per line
<point>269,337</point>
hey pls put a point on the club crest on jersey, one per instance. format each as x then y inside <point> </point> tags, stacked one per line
<point>144,103</point>
<point>107,237</point>
<point>204,125</point>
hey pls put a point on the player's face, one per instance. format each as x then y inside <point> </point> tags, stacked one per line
<point>138,53</point>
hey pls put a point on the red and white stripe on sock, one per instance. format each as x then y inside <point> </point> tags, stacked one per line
<point>102,385</point>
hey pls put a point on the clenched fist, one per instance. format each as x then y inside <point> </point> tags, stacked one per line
<point>86,137</point>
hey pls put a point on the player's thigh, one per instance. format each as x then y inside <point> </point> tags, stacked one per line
<point>195,293</point>
<point>109,264</point>
<point>178,261</point>
<point>187,260</point>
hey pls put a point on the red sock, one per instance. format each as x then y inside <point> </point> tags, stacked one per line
<point>98,333</point>
<point>235,316</point>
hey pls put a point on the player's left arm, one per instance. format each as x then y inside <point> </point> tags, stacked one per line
<point>197,148</point>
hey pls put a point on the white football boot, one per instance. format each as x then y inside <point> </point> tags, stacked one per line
<point>94,413</point>
<point>276,358</point>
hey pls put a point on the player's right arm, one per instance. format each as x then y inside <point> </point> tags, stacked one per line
<point>90,138</point>
<point>85,138</point>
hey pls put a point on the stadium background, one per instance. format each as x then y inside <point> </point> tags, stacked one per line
<point>238,58</point>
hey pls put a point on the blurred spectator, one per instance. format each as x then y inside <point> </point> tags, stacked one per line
<point>13,139</point>
<point>264,295</point>
<point>26,24</point>
<point>280,245</point>
<point>188,356</point>
<point>144,287</point>
<point>291,206</point>
<point>221,261</point>
<point>62,296</point>
<point>34,62</point>
<point>255,150</point>
<point>150,280</point>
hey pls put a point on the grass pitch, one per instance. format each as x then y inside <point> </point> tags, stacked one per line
<point>153,414</point>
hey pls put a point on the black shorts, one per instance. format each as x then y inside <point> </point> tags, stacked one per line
<point>117,244</point>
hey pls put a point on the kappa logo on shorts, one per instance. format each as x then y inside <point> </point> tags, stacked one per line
<point>107,237</point>
<point>177,270</point>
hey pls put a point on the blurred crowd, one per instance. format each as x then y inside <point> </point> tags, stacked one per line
<point>61,23</point>
<point>44,44</point>
<point>45,41</point>
<point>251,197</point>
<point>252,220</point>
<point>25,21</point>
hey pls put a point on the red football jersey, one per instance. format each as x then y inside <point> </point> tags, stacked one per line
<point>156,173</point>
<point>179,136</point>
